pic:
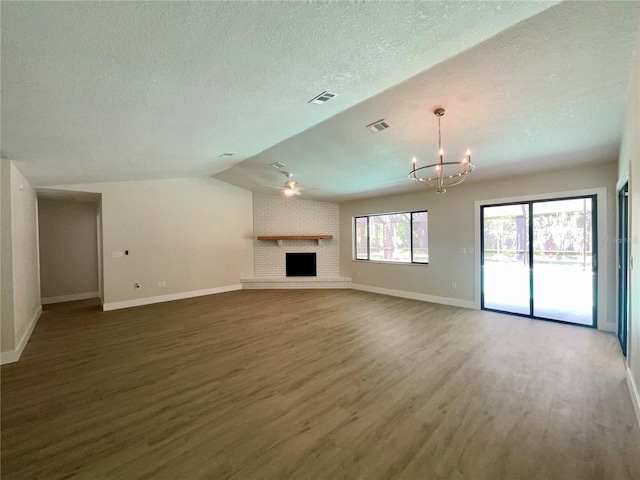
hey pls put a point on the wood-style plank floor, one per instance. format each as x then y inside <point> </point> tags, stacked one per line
<point>314,384</point>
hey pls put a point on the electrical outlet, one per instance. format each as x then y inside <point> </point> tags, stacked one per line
<point>454,285</point>
<point>462,251</point>
<point>159,284</point>
<point>471,250</point>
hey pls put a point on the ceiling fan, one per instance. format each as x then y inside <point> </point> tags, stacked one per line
<point>290,186</point>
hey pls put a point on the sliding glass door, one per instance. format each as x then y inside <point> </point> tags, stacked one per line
<point>505,258</point>
<point>539,260</point>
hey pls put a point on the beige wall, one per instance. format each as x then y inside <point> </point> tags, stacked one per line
<point>452,225</point>
<point>20,276</point>
<point>192,233</point>
<point>68,248</point>
<point>629,163</point>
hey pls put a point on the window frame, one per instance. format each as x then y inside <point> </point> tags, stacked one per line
<point>411,233</point>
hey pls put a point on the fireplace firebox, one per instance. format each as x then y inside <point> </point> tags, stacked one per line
<point>301,265</point>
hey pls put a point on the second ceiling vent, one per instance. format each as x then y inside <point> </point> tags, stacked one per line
<point>378,126</point>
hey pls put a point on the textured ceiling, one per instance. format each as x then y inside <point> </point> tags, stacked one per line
<point>103,91</point>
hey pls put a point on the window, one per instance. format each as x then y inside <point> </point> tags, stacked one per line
<point>392,237</point>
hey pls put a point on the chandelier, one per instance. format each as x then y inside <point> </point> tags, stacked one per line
<point>442,174</point>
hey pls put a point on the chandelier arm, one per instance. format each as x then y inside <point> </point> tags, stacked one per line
<point>430,184</point>
<point>469,166</point>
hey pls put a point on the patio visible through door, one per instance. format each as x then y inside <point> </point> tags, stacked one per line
<point>539,259</point>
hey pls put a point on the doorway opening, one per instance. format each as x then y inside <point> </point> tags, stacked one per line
<point>70,246</point>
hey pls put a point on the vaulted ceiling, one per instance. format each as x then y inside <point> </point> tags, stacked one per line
<point>102,91</point>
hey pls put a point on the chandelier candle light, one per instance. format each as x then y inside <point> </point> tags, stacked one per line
<point>442,174</point>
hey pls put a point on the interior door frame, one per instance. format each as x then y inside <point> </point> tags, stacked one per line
<point>622,316</point>
<point>602,322</point>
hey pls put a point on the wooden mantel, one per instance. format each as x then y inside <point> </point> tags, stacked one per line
<point>280,238</point>
<point>295,237</point>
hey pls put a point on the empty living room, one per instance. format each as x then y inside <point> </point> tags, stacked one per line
<point>286,240</point>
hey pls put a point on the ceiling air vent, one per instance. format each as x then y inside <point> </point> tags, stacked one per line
<point>278,165</point>
<point>323,97</point>
<point>227,154</point>
<point>378,126</point>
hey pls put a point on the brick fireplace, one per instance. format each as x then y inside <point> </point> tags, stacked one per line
<point>278,215</point>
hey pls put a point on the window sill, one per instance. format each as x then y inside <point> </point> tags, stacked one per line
<point>390,263</point>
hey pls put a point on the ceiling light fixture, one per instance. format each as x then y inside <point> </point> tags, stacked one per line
<point>290,186</point>
<point>442,174</point>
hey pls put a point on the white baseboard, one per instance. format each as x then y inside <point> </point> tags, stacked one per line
<point>635,396</point>
<point>608,327</point>
<point>454,302</point>
<point>168,298</point>
<point>69,298</point>
<point>12,356</point>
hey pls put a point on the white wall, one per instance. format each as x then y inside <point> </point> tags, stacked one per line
<point>452,226</point>
<point>195,234</point>
<point>20,276</point>
<point>24,240</point>
<point>279,215</point>
<point>629,163</point>
<point>68,249</point>
<point>7,331</point>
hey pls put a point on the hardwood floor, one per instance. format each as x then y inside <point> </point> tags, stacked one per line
<point>314,384</point>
